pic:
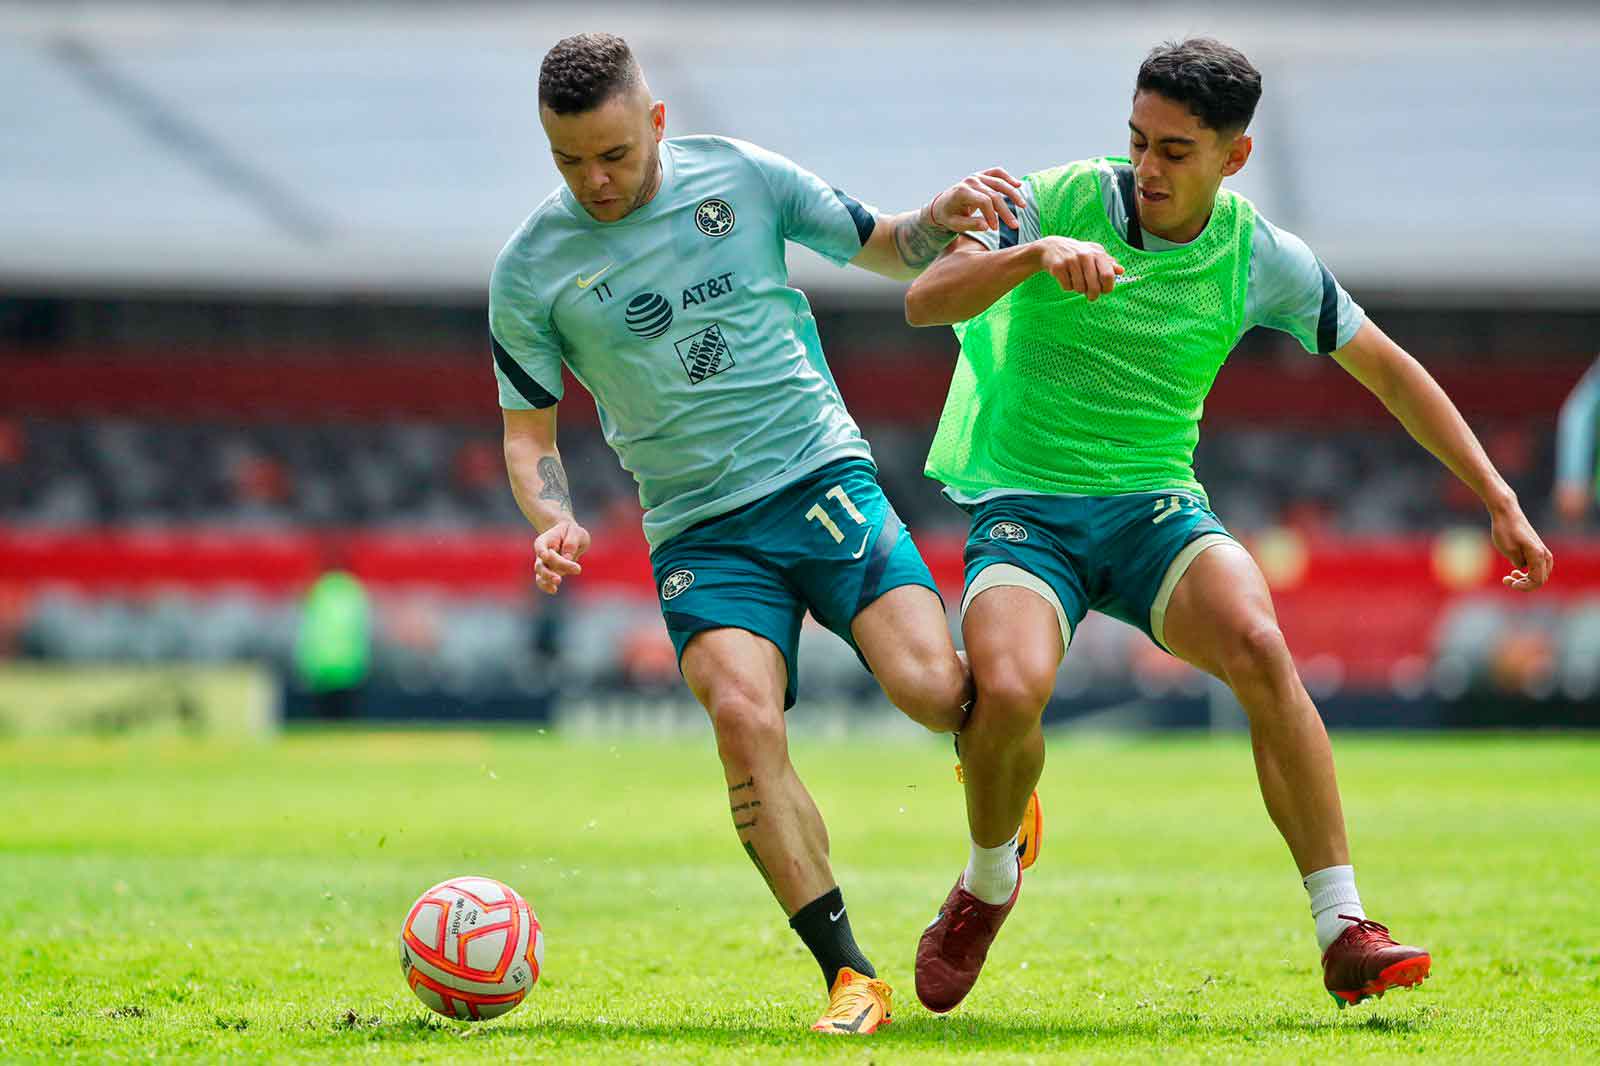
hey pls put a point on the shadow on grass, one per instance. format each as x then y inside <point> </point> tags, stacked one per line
<point>909,1030</point>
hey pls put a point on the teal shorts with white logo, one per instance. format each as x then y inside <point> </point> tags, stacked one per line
<point>1119,555</point>
<point>830,543</point>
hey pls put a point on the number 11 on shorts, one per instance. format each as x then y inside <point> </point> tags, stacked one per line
<point>818,514</point>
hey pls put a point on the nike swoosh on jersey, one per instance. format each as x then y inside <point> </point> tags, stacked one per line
<point>585,282</point>
<point>864,538</point>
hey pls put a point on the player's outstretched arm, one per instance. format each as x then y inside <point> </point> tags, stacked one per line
<point>1413,397</point>
<point>902,246</point>
<point>539,484</point>
<point>967,277</point>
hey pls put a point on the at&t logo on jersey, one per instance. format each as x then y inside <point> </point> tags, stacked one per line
<point>710,289</point>
<point>1007,531</point>
<point>676,584</point>
<point>714,218</point>
<point>649,314</point>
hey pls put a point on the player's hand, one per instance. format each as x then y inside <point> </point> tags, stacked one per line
<point>978,202</point>
<point>1078,266</point>
<point>1514,537</point>
<point>1572,503</point>
<point>556,553</point>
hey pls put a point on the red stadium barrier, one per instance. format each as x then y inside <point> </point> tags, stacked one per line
<point>1369,604</point>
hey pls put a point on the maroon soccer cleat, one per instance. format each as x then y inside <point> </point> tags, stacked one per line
<point>1365,961</point>
<point>953,947</point>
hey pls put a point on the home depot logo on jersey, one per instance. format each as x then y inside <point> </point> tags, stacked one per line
<point>704,353</point>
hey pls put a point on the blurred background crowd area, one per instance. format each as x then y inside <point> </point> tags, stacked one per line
<point>243,341</point>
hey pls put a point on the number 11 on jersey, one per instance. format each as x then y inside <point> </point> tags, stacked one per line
<point>819,514</point>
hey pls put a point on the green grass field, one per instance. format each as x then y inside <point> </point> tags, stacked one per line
<point>163,901</point>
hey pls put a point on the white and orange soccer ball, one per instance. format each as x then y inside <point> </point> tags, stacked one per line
<point>471,948</point>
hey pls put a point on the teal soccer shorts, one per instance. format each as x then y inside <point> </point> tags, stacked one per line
<point>1119,555</point>
<point>830,543</point>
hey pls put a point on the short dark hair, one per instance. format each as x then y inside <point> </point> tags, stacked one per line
<point>1217,83</point>
<point>580,73</point>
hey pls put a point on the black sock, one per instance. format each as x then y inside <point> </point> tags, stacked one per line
<point>825,928</point>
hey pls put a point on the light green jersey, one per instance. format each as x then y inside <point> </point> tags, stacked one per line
<point>704,362</point>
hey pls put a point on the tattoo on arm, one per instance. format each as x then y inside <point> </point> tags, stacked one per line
<point>555,483</point>
<point>920,241</point>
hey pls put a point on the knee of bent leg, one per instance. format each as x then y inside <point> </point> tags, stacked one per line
<point>1255,652</point>
<point>930,687</point>
<point>748,725</point>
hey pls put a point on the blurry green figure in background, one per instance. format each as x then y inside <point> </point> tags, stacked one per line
<point>333,652</point>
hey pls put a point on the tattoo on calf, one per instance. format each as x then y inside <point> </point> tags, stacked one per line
<point>555,483</point>
<point>747,809</point>
<point>750,850</point>
<point>751,815</point>
<point>920,242</point>
<point>744,791</point>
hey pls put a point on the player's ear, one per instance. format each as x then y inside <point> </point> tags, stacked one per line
<point>658,119</point>
<point>1238,154</point>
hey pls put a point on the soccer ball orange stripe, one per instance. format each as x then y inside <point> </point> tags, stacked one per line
<point>434,954</point>
<point>442,974</point>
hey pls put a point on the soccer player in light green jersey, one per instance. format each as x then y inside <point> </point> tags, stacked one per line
<point>1090,337</point>
<point>656,275</point>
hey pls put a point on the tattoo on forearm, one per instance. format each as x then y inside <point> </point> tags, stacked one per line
<point>919,242</point>
<point>555,483</point>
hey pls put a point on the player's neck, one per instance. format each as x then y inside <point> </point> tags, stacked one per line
<point>1181,234</point>
<point>651,187</point>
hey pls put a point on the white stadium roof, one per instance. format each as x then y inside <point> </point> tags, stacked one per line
<point>292,149</point>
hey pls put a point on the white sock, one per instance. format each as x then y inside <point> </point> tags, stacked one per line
<point>1333,892</point>
<point>992,872</point>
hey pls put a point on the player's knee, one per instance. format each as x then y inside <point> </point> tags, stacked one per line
<point>1012,695</point>
<point>931,688</point>
<point>748,725</point>
<point>1256,653</point>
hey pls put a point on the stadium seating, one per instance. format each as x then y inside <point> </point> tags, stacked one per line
<point>416,474</point>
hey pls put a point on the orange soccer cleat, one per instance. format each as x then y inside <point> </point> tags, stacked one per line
<point>857,1005</point>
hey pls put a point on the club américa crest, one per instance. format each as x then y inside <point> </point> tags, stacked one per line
<point>676,584</point>
<point>714,218</point>
<point>1007,531</point>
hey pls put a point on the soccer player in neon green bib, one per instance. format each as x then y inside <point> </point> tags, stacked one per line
<point>1090,336</point>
